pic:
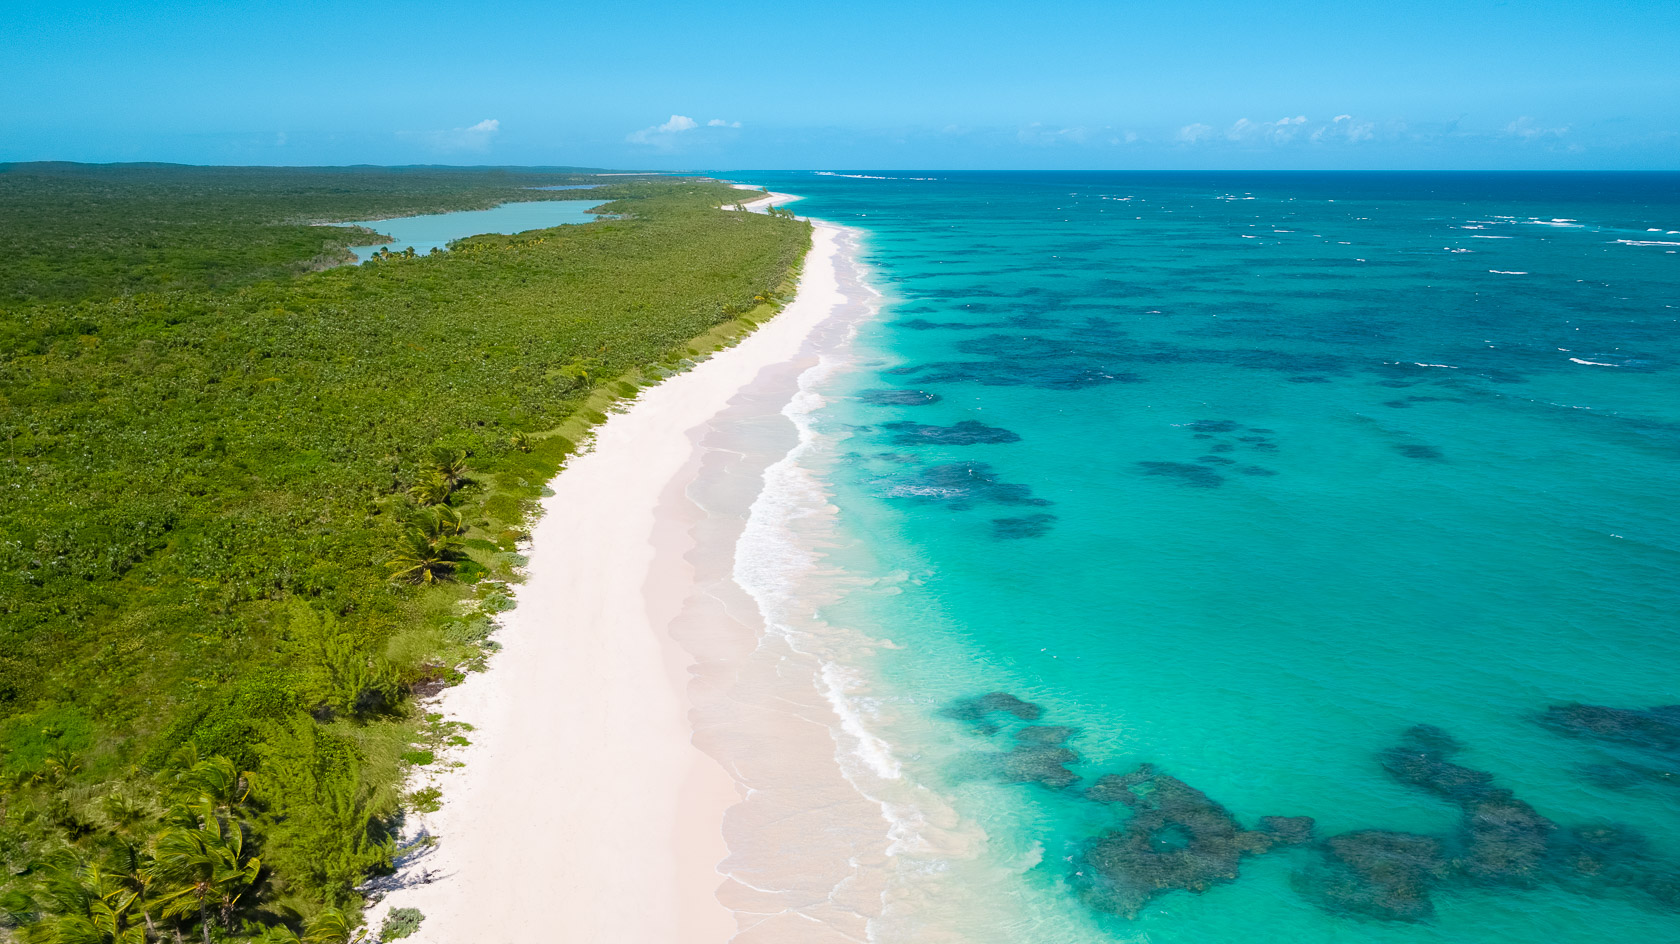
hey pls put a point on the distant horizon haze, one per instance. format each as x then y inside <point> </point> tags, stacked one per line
<point>989,85</point>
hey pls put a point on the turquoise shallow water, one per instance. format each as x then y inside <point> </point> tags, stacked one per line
<point>1246,477</point>
<point>438,230</point>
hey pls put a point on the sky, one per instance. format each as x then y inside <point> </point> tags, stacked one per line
<point>1167,84</point>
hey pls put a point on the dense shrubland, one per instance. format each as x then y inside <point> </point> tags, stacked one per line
<point>250,509</point>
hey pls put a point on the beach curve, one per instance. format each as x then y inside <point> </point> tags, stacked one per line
<point>582,810</point>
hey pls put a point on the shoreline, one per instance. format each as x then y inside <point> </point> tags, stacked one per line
<point>587,807</point>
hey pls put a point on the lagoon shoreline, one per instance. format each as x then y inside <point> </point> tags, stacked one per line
<point>592,800</point>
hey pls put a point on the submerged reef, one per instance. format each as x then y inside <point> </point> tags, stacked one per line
<point>978,711</point>
<point>1199,476</point>
<point>1501,841</point>
<point>898,397</point>
<point>962,485</point>
<point>1652,729</point>
<point>1039,755</point>
<point>1651,734</point>
<point>1026,526</point>
<point>1375,873</point>
<point>964,433</point>
<point>1177,839</point>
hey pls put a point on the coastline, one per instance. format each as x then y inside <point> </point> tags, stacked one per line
<point>586,806</point>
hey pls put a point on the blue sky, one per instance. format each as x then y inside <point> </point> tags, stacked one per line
<point>866,84</point>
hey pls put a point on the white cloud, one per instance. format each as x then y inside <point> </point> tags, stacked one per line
<point>1190,134</point>
<point>473,138</point>
<point>1037,134</point>
<point>665,136</point>
<point>1345,127</point>
<point>1527,130</point>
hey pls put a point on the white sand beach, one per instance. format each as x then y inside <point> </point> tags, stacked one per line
<point>583,811</point>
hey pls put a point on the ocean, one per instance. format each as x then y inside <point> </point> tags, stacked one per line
<point>1257,557</point>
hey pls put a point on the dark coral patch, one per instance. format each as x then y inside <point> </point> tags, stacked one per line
<point>980,708</point>
<point>1026,526</point>
<point>1176,840</point>
<point>1040,755</point>
<point>922,324</point>
<point>898,397</point>
<point>1195,475</point>
<point>1374,873</point>
<point>1044,374</point>
<point>1654,729</point>
<point>1213,426</point>
<point>961,485</point>
<point>1416,451</point>
<point>965,433</point>
<point>1505,840</point>
<point>1256,470</point>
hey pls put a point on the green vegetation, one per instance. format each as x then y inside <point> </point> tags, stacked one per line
<point>400,923</point>
<point>251,508</point>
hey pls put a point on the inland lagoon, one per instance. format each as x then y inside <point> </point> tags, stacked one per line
<point>437,230</point>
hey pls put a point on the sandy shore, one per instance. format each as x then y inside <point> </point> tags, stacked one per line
<point>770,198</point>
<point>583,810</point>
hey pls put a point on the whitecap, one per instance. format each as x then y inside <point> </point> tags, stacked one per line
<point>1505,272</point>
<point>1593,363</point>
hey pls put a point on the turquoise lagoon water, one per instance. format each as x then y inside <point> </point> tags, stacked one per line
<point>438,230</point>
<point>1246,477</point>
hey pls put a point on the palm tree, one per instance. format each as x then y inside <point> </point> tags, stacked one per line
<point>81,903</point>
<point>582,369</point>
<point>129,866</point>
<point>520,441</point>
<point>443,523</point>
<point>421,560</point>
<point>203,868</point>
<point>216,781</point>
<point>449,465</point>
<point>432,491</point>
<point>331,926</point>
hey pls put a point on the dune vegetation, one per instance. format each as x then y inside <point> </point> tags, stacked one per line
<point>256,505</point>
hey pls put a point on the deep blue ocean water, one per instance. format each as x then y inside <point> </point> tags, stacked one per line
<point>1345,496</point>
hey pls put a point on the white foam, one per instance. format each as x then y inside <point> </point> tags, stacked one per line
<point>1593,363</point>
<point>1645,242</point>
<point>1505,272</point>
<point>829,173</point>
<point>1479,236</point>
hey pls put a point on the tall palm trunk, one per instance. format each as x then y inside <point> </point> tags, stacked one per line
<point>204,918</point>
